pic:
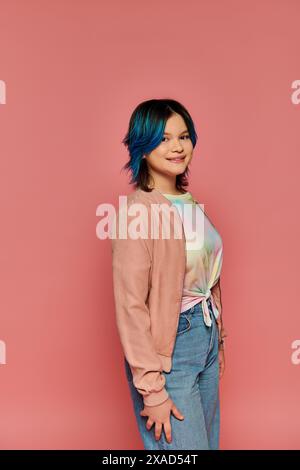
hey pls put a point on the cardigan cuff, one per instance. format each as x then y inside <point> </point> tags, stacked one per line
<point>156,398</point>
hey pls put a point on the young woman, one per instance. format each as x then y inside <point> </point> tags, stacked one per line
<point>167,289</point>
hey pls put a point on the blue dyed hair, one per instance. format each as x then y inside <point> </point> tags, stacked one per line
<point>145,133</point>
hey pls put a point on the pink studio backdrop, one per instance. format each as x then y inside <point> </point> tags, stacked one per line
<point>73,73</point>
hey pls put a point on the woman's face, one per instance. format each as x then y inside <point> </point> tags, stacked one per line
<point>174,153</point>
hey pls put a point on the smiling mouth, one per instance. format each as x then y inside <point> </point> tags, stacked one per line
<point>176,160</point>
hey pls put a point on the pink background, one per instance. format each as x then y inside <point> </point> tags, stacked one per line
<point>74,71</point>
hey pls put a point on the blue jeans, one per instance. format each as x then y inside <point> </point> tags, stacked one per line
<point>192,384</point>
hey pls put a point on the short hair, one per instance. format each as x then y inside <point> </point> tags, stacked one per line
<point>146,129</point>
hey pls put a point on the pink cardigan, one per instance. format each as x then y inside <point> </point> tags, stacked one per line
<point>148,277</point>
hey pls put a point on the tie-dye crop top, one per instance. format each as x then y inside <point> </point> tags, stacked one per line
<point>204,254</point>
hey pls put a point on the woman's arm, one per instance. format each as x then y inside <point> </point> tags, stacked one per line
<point>131,268</point>
<point>216,293</point>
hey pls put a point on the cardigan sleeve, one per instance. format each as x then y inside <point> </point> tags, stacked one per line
<point>131,264</point>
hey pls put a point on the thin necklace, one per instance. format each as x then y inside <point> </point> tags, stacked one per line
<point>179,194</point>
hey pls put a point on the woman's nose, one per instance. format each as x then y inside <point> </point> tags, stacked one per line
<point>177,145</point>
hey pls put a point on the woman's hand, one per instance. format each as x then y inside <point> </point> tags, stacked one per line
<point>221,334</point>
<point>221,362</point>
<point>160,415</point>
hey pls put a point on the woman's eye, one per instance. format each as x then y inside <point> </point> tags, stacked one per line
<point>183,137</point>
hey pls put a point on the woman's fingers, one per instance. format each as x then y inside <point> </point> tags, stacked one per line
<point>176,412</point>
<point>158,427</point>
<point>149,424</point>
<point>168,431</point>
<point>160,416</point>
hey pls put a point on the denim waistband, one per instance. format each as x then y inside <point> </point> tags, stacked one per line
<point>198,307</point>
<point>207,307</point>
